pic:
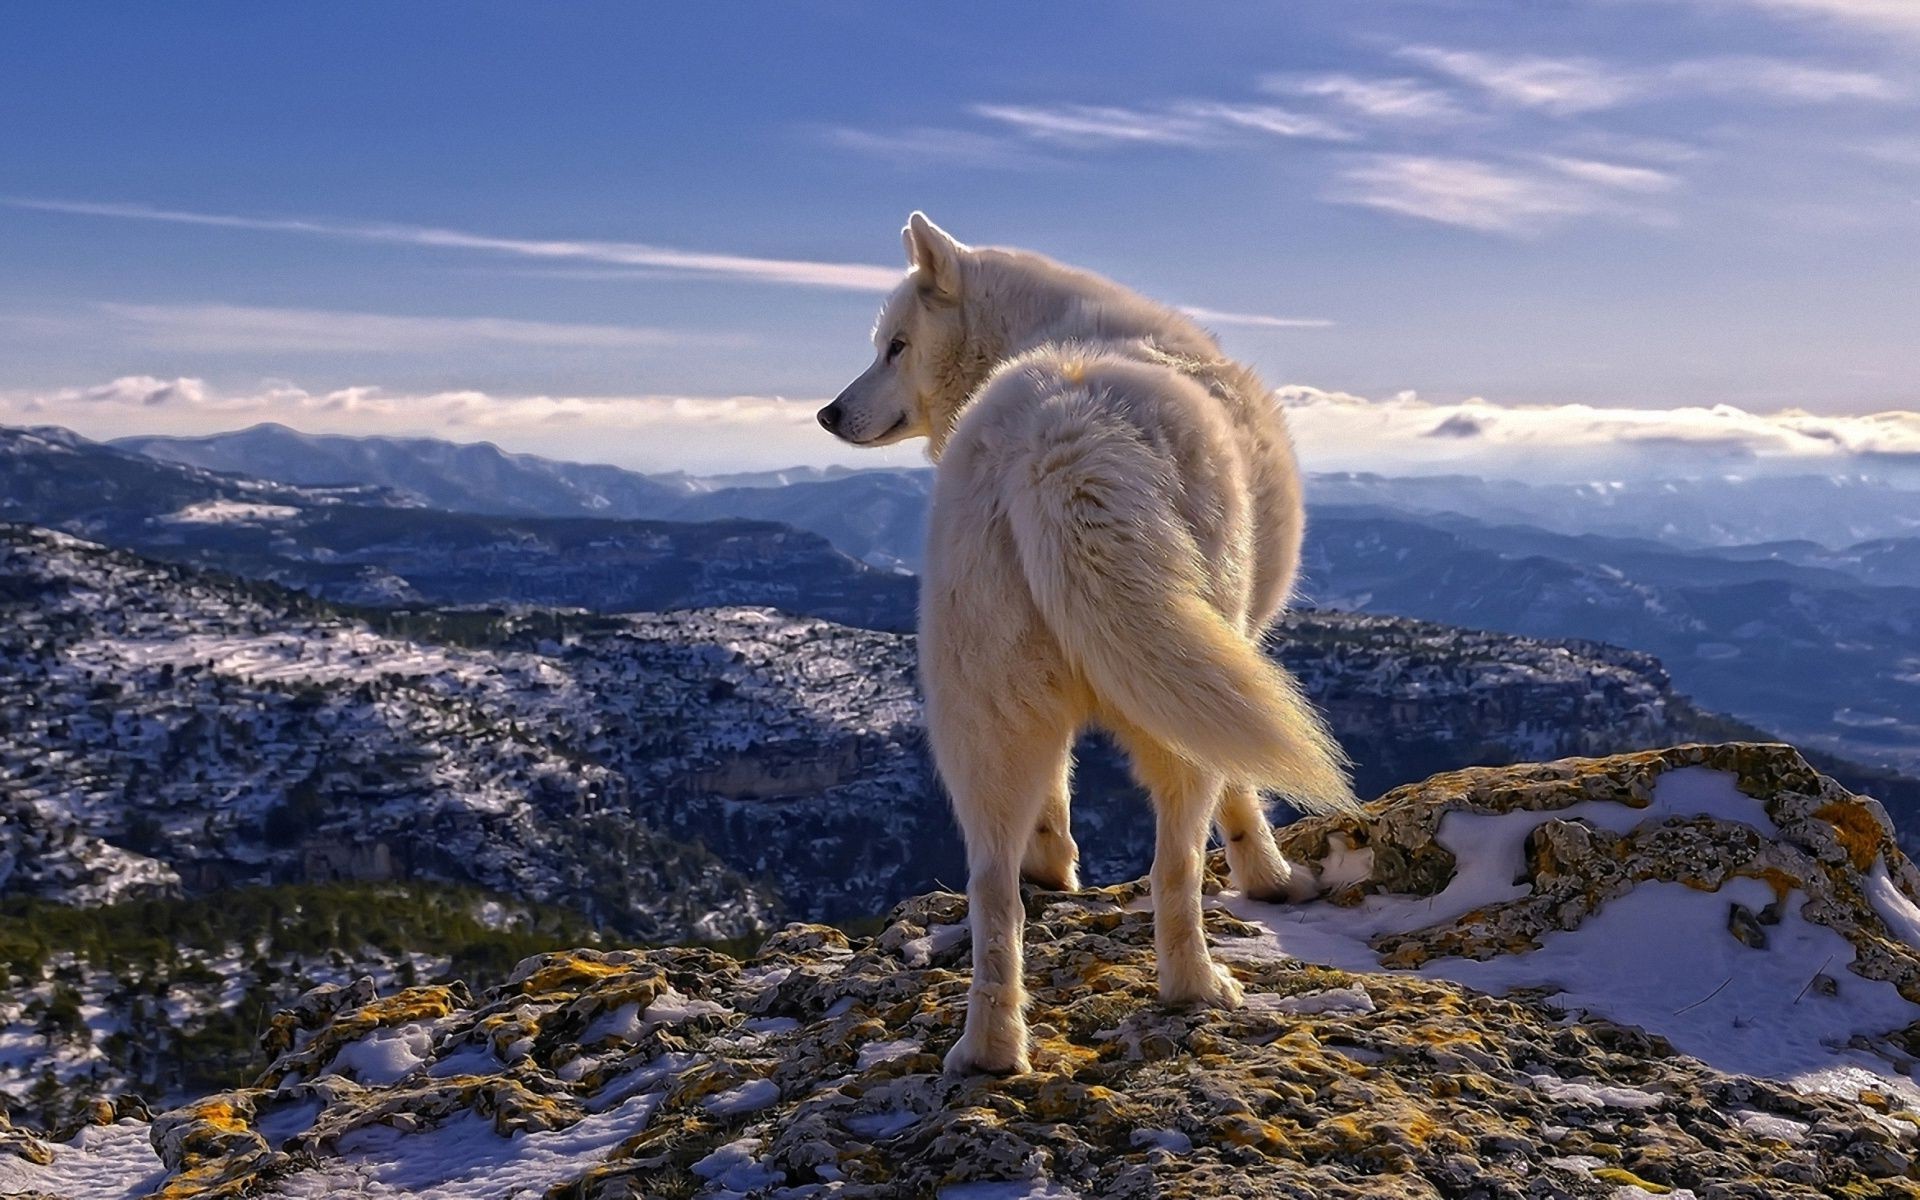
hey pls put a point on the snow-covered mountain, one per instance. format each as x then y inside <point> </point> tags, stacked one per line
<point>1833,511</point>
<point>474,477</point>
<point>174,729</point>
<point>1724,510</point>
<point>369,545</point>
<point>1786,601</point>
<point>875,516</point>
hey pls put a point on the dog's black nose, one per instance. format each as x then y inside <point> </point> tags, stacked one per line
<point>830,418</point>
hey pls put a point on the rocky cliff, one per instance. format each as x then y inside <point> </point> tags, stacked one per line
<point>1690,972</point>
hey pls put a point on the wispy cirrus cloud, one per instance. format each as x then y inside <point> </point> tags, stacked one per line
<point>1266,118</point>
<point>1379,99</point>
<point>1574,86</point>
<point>1183,123</point>
<point>932,144</point>
<point>684,263</point>
<point>229,328</point>
<point>1561,86</point>
<point>1611,175</point>
<point>1900,16</point>
<point>1505,198</point>
<point>1094,125</point>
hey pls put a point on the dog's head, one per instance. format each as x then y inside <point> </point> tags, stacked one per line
<point>922,366</point>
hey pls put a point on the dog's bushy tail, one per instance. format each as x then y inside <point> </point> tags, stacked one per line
<point>1120,583</point>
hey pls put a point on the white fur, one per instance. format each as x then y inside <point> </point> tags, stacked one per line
<point>1116,520</point>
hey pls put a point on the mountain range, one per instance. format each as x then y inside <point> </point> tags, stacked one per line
<point>1790,602</point>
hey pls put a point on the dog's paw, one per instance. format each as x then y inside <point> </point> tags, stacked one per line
<point>1053,879</point>
<point>1260,872</point>
<point>1213,987</point>
<point>977,1054</point>
<point>1279,881</point>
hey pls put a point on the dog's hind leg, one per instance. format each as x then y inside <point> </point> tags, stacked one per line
<point>1184,799</point>
<point>1259,870</point>
<point>1053,858</point>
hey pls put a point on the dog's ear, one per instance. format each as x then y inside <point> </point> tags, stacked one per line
<point>932,252</point>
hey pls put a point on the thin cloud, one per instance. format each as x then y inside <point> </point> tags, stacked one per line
<point>1781,80</point>
<point>947,147</point>
<point>1086,124</point>
<point>1901,16</point>
<point>1389,100</point>
<point>220,328</point>
<point>1561,86</point>
<point>1267,118</point>
<point>1572,86</point>
<point>686,263</point>
<point>1612,175</point>
<point>377,408</point>
<point>1468,193</point>
<point>1213,316</point>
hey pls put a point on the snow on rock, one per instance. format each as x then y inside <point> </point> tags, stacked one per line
<point>230,512</point>
<point>1679,973</point>
<point>99,1162</point>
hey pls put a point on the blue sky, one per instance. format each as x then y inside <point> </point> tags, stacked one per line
<point>621,231</point>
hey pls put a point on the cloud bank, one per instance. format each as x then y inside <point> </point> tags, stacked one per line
<point>1401,434</point>
<point>1405,434</point>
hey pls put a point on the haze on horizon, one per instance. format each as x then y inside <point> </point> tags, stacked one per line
<point>1618,236</point>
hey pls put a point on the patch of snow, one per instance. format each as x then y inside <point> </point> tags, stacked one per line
<point>1020,1189</point>
<point>1659,957</point>
<point>622,1023</point>
<point>1170,1140</point>
<point>874,1053</point>
<point>671,1008</point>
<point>476,1059</point>
<point>279,1122</point>
<point>751,1096</point>
<point>384,1056</point>
<point>881,1124</point>
<point>464,1159</point>
<point>937,940</point>
<point>1901,914</point>
<point>733,1169</point>
<point>1335,1001</point>
<point>1599,1095</point>
<point>102,1162</point>
<point>229,512</point>
<point>1767,1125</point>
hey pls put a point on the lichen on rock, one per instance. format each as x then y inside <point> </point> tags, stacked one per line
<point>1424,1030</point>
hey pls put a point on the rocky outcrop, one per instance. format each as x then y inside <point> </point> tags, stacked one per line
<point>1452,1018</point>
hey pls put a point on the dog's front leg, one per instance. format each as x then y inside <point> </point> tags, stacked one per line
<point>1000,763</point>
<point>995,1039</point>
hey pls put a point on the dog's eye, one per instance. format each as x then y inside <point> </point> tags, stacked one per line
<point>894,348</point>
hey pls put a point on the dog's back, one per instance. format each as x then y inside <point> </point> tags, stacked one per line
<point>1153,510</point>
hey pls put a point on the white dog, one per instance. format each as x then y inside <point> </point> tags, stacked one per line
<point>1116,519</point>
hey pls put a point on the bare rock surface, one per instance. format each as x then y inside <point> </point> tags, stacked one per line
<point>1690,972</point>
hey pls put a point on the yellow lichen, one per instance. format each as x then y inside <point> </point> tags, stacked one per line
<point>1856,830</point>
<point>1621,1177</point>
